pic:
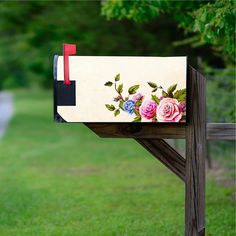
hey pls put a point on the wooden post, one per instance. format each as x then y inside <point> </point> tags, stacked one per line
<point>195,156</point>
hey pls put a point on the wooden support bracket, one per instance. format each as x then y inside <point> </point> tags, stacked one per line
<point>166,154</point>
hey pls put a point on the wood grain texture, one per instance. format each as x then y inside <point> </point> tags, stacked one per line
<point>138,130</point>
<point>221,131</point>
<point>195,156</point>
<point>159,131</point>
<point>166,154</point>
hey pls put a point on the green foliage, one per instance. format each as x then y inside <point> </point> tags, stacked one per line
<point>110,107</point>
<point>212,22</point>
<point>108,83</point>
<point>120,88</point>
<point>117,77</point>
<point>116,112</point>
<point>31,33</point>
<point>156,99</point>
<point>180,95</point>
<point>133,89</point>
<point>154,90</point>
<point>172,88</point>
<point>152,85</point>
<point>138,103</point>
<point>221,100</point>
<point>137,118</point>
<point>121,104</point>
<point>136,112</point>
<point>165,94</point>
<point>139,11</point>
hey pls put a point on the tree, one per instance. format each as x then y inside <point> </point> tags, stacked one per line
<point>32,32</point>
<point>205,22</point>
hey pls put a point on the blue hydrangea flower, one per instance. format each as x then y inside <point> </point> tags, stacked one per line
<point>129,106</point>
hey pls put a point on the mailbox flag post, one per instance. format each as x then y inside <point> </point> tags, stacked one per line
<point>68,49</point>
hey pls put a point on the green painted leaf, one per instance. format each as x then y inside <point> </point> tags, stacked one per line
<point>108,83</point>
<point>120,88</point>
<point>121,105</point>
<point>172,88</point>
<point>137,119</point>
<point>164,94</point>
<point>154,90</point>
<point>133,89</point>
<point>136,112</point>
<point>180,95</point>
<point>155,99</point>
<point>153,85</point>
<point>116,112</point>
<point>138,103</point>
<point>110,107</point>
<point>117,77</point>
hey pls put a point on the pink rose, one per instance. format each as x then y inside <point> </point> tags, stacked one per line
<point>148,109</point>
<point>137,97</point>
<point>183,107</point>
<point>169,110</point>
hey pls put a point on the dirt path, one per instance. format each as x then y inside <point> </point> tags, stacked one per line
<point>6,110</point>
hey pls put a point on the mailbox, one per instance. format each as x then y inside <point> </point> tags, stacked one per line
<point>120,89</point>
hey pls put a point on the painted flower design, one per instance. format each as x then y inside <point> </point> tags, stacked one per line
<point>168,106</point>
<point>129,106</point>
<point>183,107</point>
<point>137,96</point>
<point>148,109</point>
<point>169,110</point>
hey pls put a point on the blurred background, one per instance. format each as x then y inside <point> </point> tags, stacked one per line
<point>61,179</point>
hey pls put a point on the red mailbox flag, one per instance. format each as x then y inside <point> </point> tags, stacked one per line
<point>68,49</point>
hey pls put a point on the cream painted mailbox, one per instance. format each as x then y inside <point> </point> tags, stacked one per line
<point>120,89</point>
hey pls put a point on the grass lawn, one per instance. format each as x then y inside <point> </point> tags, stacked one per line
<point>61,179</point>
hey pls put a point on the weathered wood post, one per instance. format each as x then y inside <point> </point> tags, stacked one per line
<point>195,156</point>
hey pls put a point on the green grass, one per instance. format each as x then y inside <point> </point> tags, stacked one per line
<point>61,179</point>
